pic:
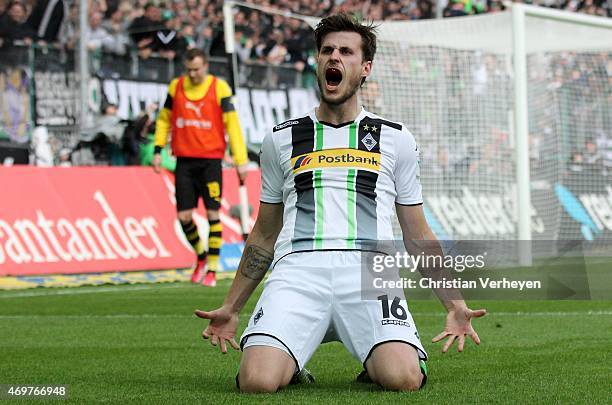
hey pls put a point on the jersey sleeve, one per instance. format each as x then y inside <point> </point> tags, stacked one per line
<point>164,119</point>
<point>407,170</point>
<point>232,122</point>
<point>271,172</point>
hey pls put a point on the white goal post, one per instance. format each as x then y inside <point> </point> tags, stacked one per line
<point>498,103</point>
<point>521,105</point>
<point>476,91</point>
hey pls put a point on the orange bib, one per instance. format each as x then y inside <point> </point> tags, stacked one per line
<point>197,125</point>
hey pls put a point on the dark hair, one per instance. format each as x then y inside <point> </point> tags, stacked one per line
<point>195,53</point>
<point>346,22</point>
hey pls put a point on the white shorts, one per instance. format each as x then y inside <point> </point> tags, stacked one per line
<point>315,297</point>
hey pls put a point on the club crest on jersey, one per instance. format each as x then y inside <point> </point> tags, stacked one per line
<point>341,157</point>
<point>368,141</point>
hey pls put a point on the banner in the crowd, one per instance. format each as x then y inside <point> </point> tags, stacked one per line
<point>259,110</point>
<point>98,219</point>
<point>15,114</point>
<point>56,95</point>
<point>473,214</point>
<point>587,206</point>
<point>574,209</point>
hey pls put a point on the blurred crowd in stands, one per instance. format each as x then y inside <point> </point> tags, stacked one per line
<point>167,28</point>
<point>594,158</point>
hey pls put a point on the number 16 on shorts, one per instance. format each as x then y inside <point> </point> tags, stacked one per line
<point>393,313</point>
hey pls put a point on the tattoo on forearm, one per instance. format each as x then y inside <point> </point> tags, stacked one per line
<point>256,262</point>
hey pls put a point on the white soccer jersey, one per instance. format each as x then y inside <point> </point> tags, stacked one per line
<point>339,183</point>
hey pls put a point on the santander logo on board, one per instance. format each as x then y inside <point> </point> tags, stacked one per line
<point>41,239</point>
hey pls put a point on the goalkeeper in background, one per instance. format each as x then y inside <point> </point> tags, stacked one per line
<point>199,111</point>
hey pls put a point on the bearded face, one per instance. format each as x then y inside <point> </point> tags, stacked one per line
<point>340,67</point>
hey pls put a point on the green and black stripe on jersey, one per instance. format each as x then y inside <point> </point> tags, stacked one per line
<point>303,141</point>
<point>368,138</point>
<point>308,136</point>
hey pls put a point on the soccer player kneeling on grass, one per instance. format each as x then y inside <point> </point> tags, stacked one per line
<point>330,182</point>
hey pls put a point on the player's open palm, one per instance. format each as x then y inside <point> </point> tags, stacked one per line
<point>222,327</point>
<point>458,326</point>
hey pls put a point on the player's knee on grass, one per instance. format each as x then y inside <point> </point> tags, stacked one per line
<point>395,367</point>
<point>264,369</point>
<point>252,380</point>
<point>254,383</point>
<point>400,380</point>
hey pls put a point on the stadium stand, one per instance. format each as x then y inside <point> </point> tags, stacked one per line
<point>141,40</point>
<point>168,27</point>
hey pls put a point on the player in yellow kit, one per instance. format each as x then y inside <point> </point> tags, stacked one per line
<point>198,112</point>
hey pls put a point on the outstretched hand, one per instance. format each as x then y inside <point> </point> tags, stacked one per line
<point>222,327</point>
<point>458,325</point>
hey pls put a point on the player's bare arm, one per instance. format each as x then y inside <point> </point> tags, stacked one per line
<point>256,259</point>
<point>418,235</point>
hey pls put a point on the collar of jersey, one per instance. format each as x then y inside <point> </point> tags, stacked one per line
<point>359,116</point>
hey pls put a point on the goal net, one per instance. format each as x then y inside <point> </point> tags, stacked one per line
<point>452,83</point>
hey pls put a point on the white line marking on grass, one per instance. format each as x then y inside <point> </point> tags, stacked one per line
<point>95,316</point>
<point>522,313</point>
<point>432,314</point>
<point>90,290</point>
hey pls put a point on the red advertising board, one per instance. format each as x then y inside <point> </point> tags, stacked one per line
<point>232,232</point>
<point>96,219</point>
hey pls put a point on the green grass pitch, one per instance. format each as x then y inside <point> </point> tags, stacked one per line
<point>141,343</point>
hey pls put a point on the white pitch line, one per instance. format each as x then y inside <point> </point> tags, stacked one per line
<point>521,313</point>
<point>89,290</point>
<point>95,316</point>
<point>178,316</point>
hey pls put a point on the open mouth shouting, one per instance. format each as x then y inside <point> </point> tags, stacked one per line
<point>333,77</point>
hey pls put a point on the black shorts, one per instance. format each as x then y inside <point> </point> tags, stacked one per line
<point>195,178</point>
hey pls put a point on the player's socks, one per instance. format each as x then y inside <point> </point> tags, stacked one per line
<point>214,244</point>
<point>190,230</point>
<point>193,237</point>
<point>302,377</point>
<point>363,377</point>
<point>423,366</point>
